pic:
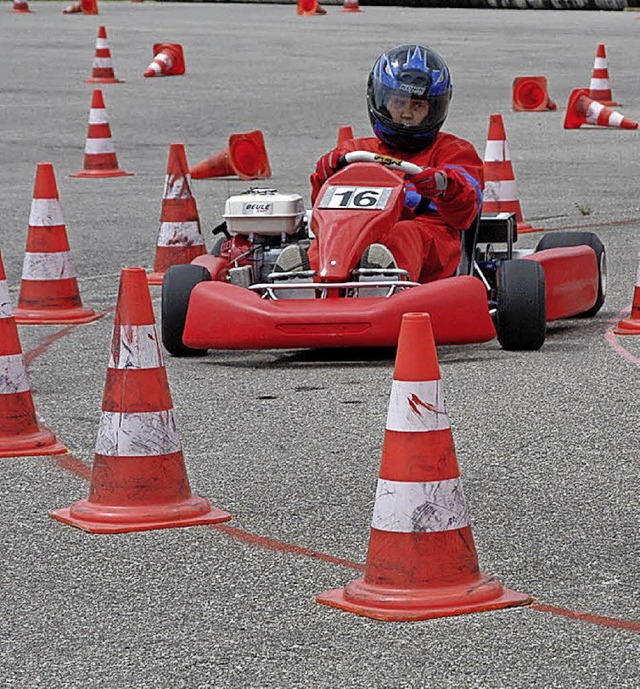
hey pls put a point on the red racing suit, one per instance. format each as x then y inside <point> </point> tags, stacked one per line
<point>427,245</point>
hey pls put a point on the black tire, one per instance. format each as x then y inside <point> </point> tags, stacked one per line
<point>176,289</point>
<point>521,319</point>
<point>560,239</point>
<point>218,240</point>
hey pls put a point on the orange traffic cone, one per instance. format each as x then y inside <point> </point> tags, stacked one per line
<point>599,86</point>
<point>102,69</point>
<point>100,158</point>
<point>20,433</point>
<point>631,325</point>
<point>500,190</point>
<point>309,7</point>
<point>344,134</point>
<point>139,480</point>
<point>581,109</point>
<point>180,239</point>
<point>49,291</point>
<point>350,6</point>
<point>72,9</point>
<point>82,7</point>
<point>422,560</point>
<point>245,157</point>
<point>20,7</point>
<point>168,60</point>
<point>530,94</point>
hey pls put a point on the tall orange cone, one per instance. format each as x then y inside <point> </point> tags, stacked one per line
<point>139,479</point>
<point>100,158</point>
<point>246,157</point>
<point>351,6</point>
<point>581,109</point>
<point>20,433</point>
<point>20,7</point>
<point>344,134</point>
<point>168,60</point>
<point>599,86</point>
<point>180,239</point>
<point>49,291</point>
<point>500,190</point>
<point>422,560</point>
<point>530,94</point>
<point>307,8</point>
<point>631,325</point>
<point>102,69</point>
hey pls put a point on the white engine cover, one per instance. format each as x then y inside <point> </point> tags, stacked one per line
<point>264,212</point>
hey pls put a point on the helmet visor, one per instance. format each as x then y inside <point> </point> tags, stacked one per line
<point>409,107</point>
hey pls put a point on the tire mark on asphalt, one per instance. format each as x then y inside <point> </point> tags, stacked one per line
<point>562,228</point>
<point>614,622</point>
<point>612,340</point>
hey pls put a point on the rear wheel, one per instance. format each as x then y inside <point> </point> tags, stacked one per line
<point>176,289</point>
<point>521,319</point>
<point>560,239</point>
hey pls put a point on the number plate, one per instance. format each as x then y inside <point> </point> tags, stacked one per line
<point>361,198</point>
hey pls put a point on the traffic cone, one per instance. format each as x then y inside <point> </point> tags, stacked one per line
<point>100,158</point>
<point>631,325</point>
<point>422,560</point>
<point>82,7</point>
<point>530,94</point>
<point>307,8</point>
<point>180,239</point>
<point>139,480</point>
<point>102,69</point>
<point>246,157</point>
<point>500,190</point>
<point>581,109</point>
<point>49,291</point>
<point>73,9</point>
<point>168,60</point>
<point>20,433</point>
<point>20,7</point>
<point>599,86</point>
<point>351,6</point>
<point>344,134</point>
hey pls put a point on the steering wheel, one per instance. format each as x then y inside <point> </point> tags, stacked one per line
<point>387,161</point>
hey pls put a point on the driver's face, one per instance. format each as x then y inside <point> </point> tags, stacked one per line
<point>407,110</point>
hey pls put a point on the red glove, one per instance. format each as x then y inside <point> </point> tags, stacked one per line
<point>327,165</point>
<point>431,182</point>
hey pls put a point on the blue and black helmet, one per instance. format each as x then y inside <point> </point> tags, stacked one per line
<point>418,73</point>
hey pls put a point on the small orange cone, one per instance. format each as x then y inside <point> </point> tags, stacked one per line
<point>245,157</point>
<point>631,325</point>
<point>72,9</point>
<point>102,69</point>
<point>168,60</point>
<point>351,6</point>
<point>500,190</point>
<point>49,291</point>
<point>82,7</point>
<point>581,109</point>
<point>100,158</point>
<point>20,7</point>
<point>139,480</point>
<point>307,8</point>
<point>20,433</point>
<point>344,134</point>
<point>180,239</point>
<point>599,86</point>
<point>530,94</point>
<point>422,561</point>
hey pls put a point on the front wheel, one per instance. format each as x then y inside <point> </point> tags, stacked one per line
<point>177,284</point>
<point>521,318</point>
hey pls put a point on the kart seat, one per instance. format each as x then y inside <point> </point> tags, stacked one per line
<point>468,242</point>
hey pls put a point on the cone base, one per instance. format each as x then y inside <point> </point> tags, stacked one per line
<point>103,80</point>
<point>40,442</point>
<point>114,519</point>
<point>628,326</point>
<point>102,173</point>
<point>421,608</point>
<point>55,316</point>
<point>21,12</point>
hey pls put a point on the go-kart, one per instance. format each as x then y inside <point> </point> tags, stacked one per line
<point>232,298</point>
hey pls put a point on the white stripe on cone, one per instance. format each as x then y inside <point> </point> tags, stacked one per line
<point>98,146</point>
<point>13,375</point>
<point>5,303</point>
<point>496,151</point>
<point>97,116</point>
<point>177,187</point>
<point>47,266</point>
<point>138,348</point>
<point>165,59</point>
<point>155,67</point>
<point>417,407</point>
<point>101,63</point>
<point>600,63</point>
<point>45,213</point>
<point>102,44</point>
<point>638,276</point>
<point>615,119</point>
<point>593,112</point>
<point>599,85</point>
<point>501,191</point>
<point>413,507</point>
<point>139,434</point>
<point>180,234</point>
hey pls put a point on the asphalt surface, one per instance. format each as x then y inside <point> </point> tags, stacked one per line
<point>289,442</point>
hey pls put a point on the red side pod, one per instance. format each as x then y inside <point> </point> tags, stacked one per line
<point>571,279</point>
<point>224,316</point>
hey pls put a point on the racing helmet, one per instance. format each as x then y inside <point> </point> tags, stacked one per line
<point>416,72</point>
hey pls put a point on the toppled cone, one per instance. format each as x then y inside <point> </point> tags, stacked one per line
<point>82,7</point>
<point>307,8</point>
<point>631,325</point>
<point>581,109</point>
<point>20,433</point>
<point>168,60</point>
<point>20,7</point>
<point>246,157</point>
<point>530,94</point>
<point>139,480</point>
<point>422,560</point>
